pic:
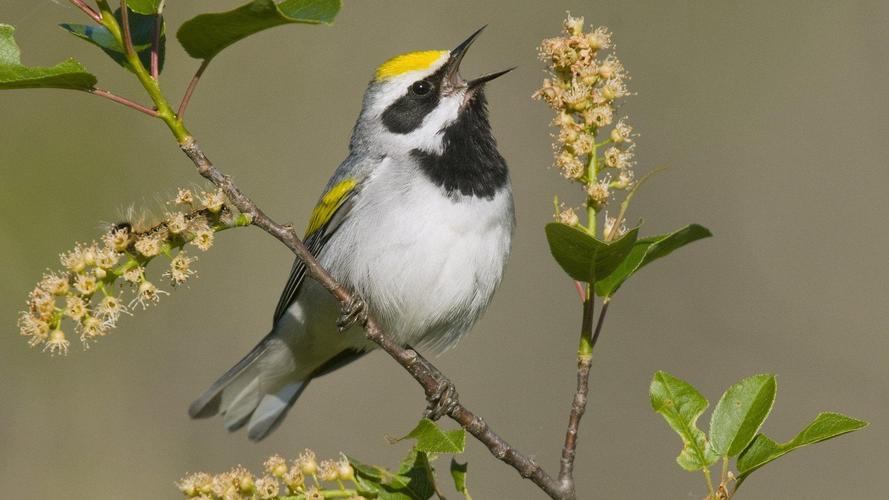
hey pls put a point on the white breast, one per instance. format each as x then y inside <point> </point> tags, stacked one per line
<point>427,263</point>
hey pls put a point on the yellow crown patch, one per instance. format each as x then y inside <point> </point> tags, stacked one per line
<point>412,61</point>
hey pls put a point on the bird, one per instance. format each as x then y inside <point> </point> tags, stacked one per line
<point>416,223</point>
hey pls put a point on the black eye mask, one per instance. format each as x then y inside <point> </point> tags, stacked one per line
<point>407,113</point>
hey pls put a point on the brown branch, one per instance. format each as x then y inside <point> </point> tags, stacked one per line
<point>123,100</point>
<point>428,376</point>
<point>578,408</point>
<point>80,4</point>
<point>579,403</point>
<point>190,90</point>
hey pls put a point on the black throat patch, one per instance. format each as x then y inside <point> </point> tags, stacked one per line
<point>470,163</point>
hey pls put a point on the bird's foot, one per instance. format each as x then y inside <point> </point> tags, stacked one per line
<point>353,312</point>
<point>442,401</point>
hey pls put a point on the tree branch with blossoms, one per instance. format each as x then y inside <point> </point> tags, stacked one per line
<point>585,86</point>
<point>143,246</point>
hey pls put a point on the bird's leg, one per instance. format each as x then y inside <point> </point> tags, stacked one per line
<point>445,396</point>
<point>353,312</point>
<point>442,401</point>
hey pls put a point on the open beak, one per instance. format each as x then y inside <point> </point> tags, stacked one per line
<point>453,65</point>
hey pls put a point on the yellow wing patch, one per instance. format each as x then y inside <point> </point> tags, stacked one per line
<point>412,61</point>
<point>330,202</point>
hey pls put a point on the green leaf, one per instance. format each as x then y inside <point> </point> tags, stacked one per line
<point>645,251</point>
<point>145,7</point>
<point>740,413</point>
<point>432,439</point>
<point>416,475</point>
<point>69,74</point>
<point>412,482</point>
<point>458,472</point>
<point>141,32</point>
<point>584,257</point>
<point>206,35</point>
<point>681,404</point>
<point>763,450</point>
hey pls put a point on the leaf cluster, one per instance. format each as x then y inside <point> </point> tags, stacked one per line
<point>735,424</point>
<point>415,478</point>
<point>202,37</point>
<point>608,264</point>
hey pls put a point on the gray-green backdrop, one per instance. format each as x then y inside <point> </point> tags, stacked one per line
<point>771,115</point>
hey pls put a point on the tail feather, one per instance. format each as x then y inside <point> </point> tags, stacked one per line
<point>242,403</point>
<point>272,409</point>
<point>261,388</point>
<point>208,404</point>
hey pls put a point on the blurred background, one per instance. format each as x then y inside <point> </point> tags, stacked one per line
<point>772,117</point>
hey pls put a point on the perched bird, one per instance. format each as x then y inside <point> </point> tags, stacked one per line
<point>417,221</point>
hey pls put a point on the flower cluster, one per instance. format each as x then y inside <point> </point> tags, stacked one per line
<point>585,84</point>
<point>84,292</point>
<point>303,478</point>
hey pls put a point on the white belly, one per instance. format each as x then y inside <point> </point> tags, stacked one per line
<point>426,264</point>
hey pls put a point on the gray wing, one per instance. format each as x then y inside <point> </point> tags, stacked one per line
<point>316,241</point>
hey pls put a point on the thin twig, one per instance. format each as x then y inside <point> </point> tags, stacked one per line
<point>155,45</point>
<point>428,376</point>
<point>125,25</point>
<point>602,313</point>
<point>80,4</point>
<point>190,90</point>
<point>578,408</point>
<point>578,403</point>
<point>123,100</point>
<point>580,290</point>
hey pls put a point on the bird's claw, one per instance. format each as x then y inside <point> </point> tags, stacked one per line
<point>442,401</point>
<point>353,312</point>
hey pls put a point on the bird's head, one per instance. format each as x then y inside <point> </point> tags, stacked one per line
<point>415,97</point>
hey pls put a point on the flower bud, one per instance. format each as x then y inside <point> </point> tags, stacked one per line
<point>569,217</point>
<point>307,463</point>
<point>276,466</point>
<point>574,25</point>
<point>57,343</point>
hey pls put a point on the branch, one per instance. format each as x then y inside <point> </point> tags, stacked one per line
<point>190,90</point>
<point>605,303</point>
<point>156,40</point>
<point>80,4</point>
<point>429,377</point>
<point>155,46</point>
<point>125,24</point>
<point>123,100</point>
<point>579,403</point>
<point>424,372</point>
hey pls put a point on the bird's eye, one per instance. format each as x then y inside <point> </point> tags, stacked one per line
<point>421,87</point>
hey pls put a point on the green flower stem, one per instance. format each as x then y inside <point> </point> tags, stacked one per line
<point>592,175</point>
<point>723,478</point>
<point>164,110</point>
<point>710,491</point>
<point>326,494</point>
<point>242,220</point>
<point>586,327</point>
